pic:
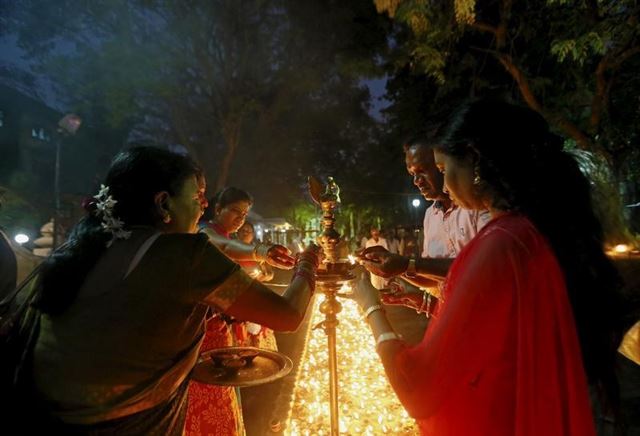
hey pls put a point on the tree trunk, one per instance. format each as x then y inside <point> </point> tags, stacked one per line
<point>231,134</point>
<point>582,139</point>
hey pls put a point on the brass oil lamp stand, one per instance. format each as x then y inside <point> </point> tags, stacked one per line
<point>332,274</point>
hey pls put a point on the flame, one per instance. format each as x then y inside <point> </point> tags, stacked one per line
<point>352,259</point>
<point>621,248</point>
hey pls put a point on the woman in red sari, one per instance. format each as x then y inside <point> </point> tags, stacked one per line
<point>526,320</point>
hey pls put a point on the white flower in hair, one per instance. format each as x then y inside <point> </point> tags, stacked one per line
<point>104,209</point>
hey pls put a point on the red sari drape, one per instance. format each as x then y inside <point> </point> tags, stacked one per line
<point>214,410</point>
<point>502,356</point>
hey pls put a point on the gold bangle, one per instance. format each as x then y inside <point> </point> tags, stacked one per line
<point>426,304</point>
<point>370,310</point>
<point>384,337</point>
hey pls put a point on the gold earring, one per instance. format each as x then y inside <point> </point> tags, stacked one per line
<point>476,179</point>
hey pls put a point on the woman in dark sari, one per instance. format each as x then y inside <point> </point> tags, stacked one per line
<point>124,302</point>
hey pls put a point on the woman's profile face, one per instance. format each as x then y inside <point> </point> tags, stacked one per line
<point>187,206</point>
<point>245,233</point>
<point>232,216</point>
<point>458,180</point>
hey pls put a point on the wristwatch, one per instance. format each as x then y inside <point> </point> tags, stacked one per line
<point>411,268</point>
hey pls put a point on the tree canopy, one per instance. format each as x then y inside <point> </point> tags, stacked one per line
<point>265,93</point>
<point>261,93</point>
<point>563,58</point>
<point>573,61</point>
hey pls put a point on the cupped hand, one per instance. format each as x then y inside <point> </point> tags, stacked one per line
<point>402,293</point>
<point>363,291</point>
<point>280,257</point>
<point>383,263</point>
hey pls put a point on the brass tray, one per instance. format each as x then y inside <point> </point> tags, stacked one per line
<point>240,366</point>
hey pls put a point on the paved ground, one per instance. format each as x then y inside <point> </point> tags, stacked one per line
<point>266,407</point>
<point>269,404</point>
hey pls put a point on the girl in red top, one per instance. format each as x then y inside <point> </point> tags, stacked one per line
<point>212,409</point>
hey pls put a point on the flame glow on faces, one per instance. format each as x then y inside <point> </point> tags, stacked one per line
<point>367,403</point>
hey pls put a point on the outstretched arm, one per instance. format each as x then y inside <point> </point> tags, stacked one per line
<point>385,264</point>
<point>247,299</point>
<point>275,255</point>
<point>467,336</point>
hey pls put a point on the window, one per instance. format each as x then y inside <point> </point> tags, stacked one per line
<point>40,134</point>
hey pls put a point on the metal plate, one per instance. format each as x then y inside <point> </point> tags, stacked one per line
<point>233,366</point>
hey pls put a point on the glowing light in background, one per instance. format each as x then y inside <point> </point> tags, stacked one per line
<point>621,248</point>
<point>21,238</point>
<point>368,405</point>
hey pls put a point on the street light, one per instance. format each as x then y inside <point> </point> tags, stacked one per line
<point>416,204</point>
<point>21,238</point>
<point>68,125</point>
